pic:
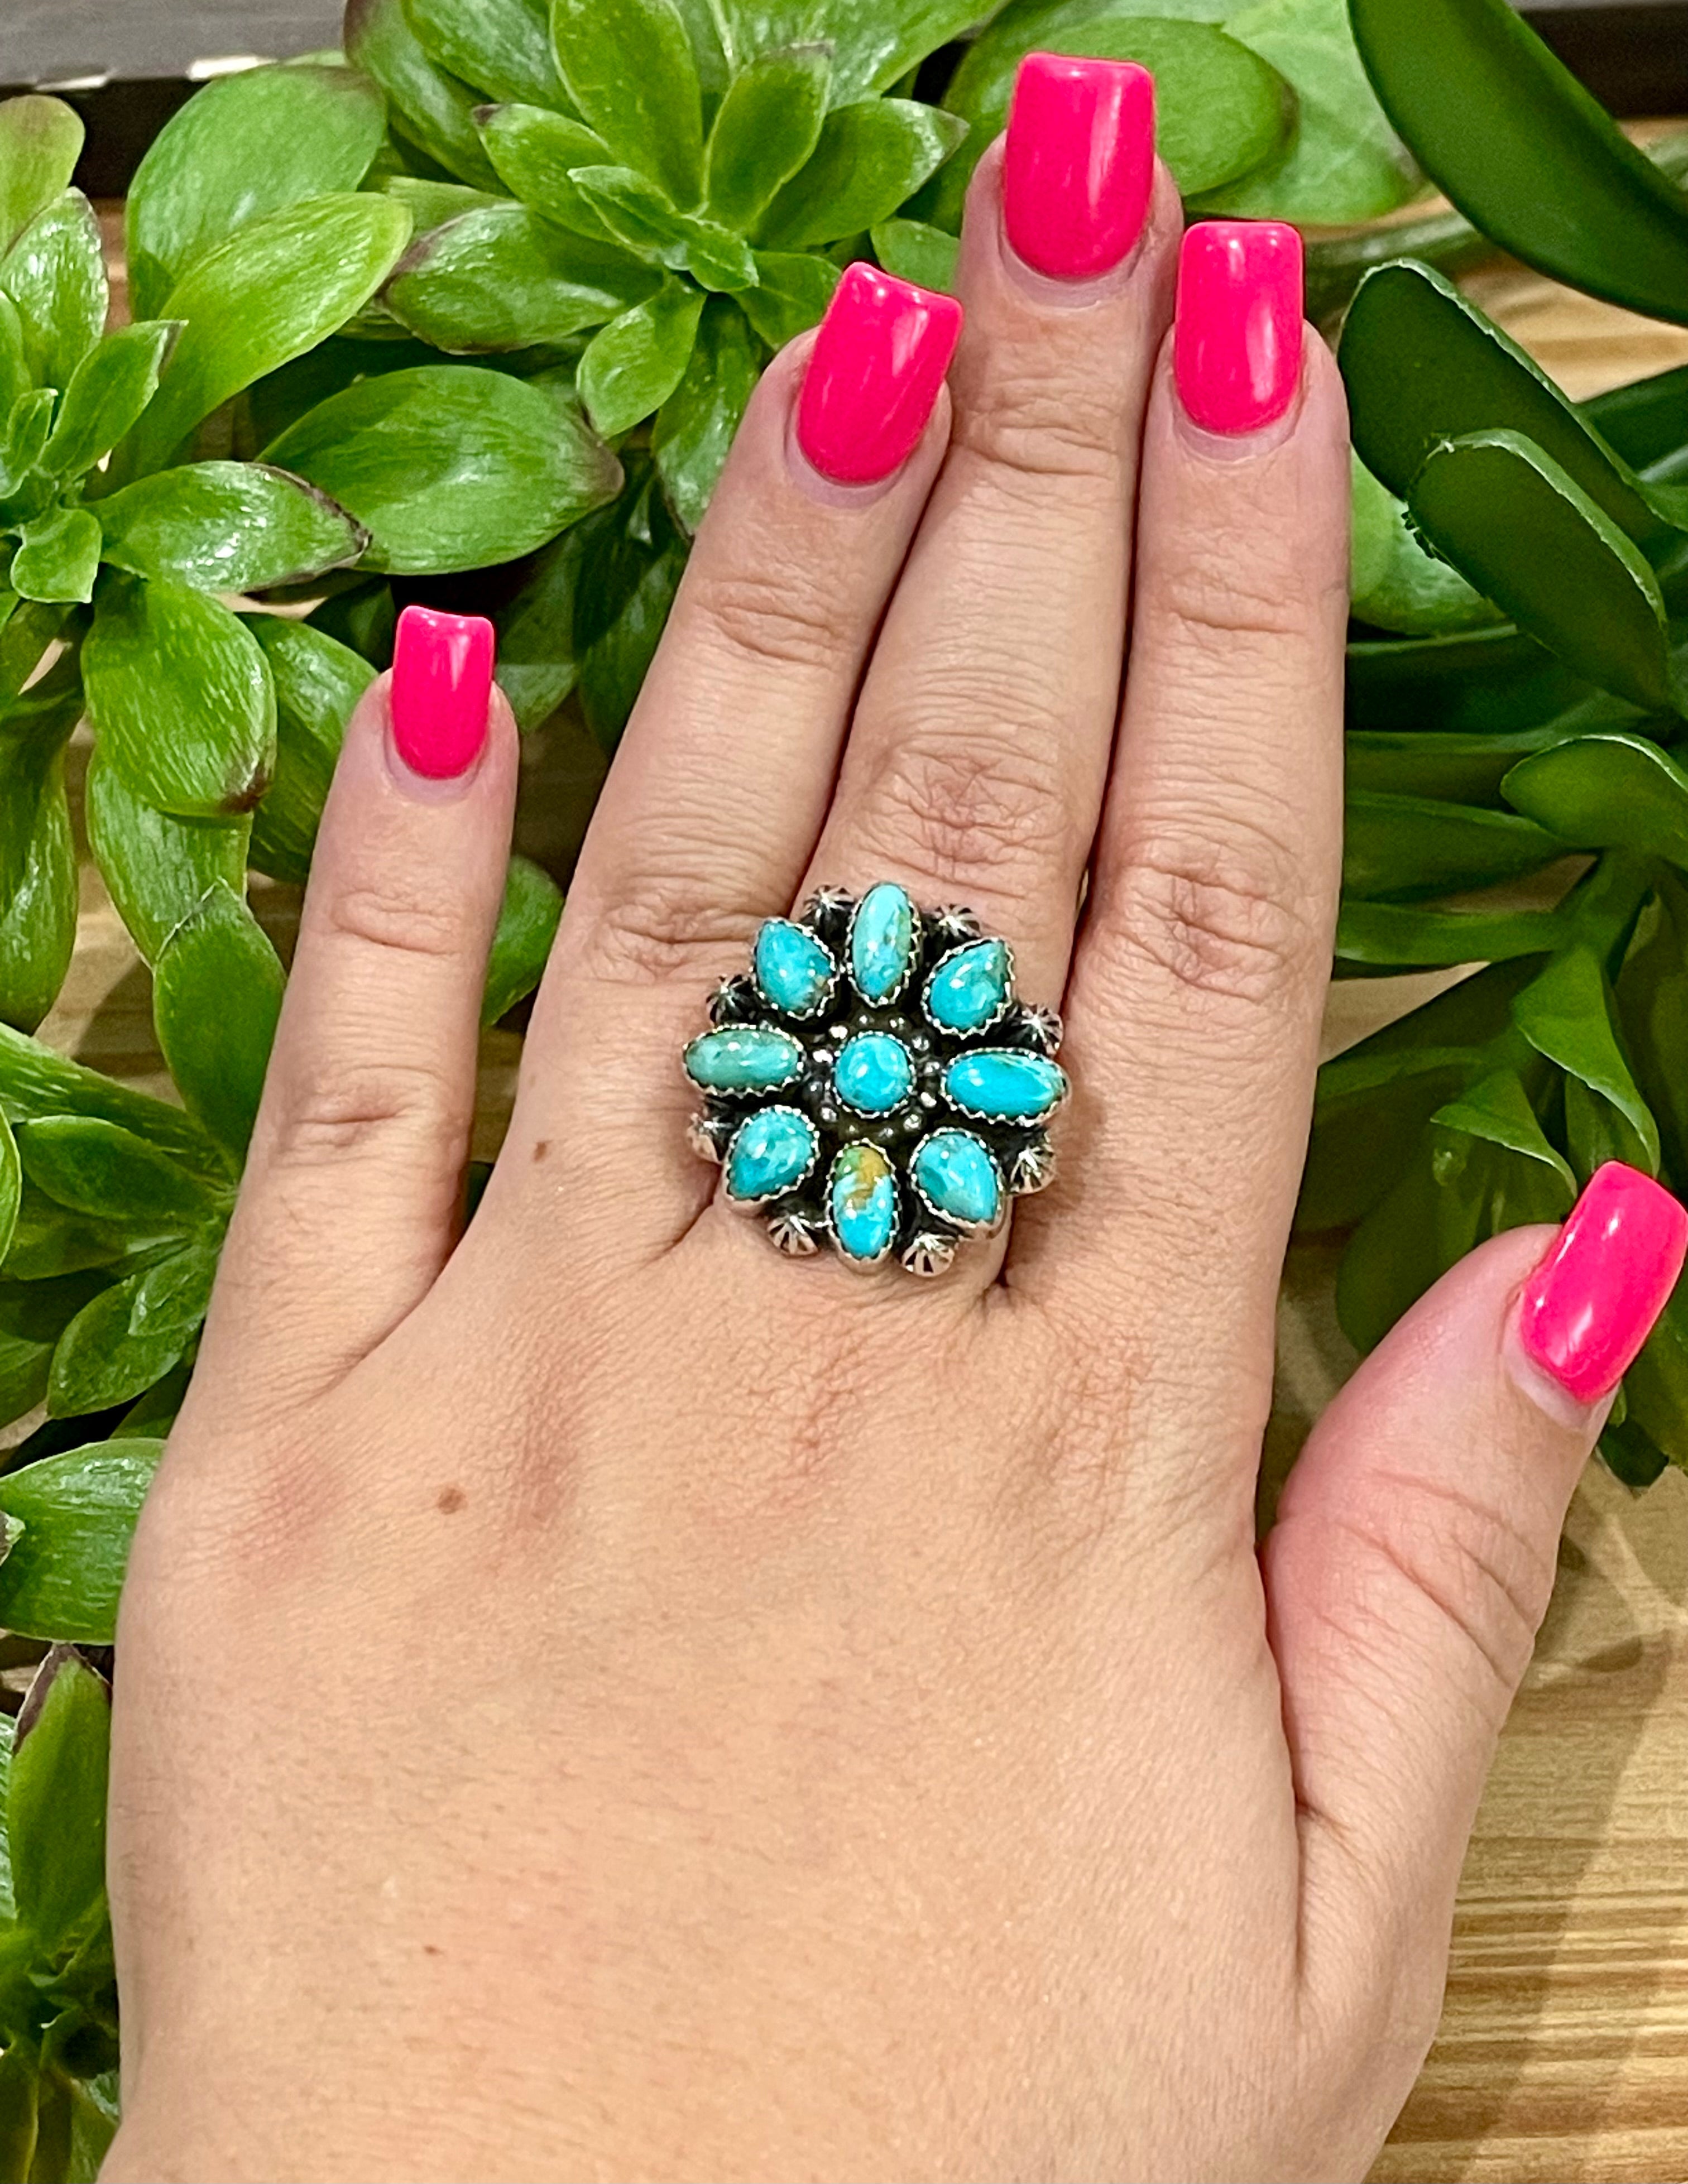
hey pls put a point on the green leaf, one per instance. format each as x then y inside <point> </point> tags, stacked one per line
<point>1220,110</point>
<point>768,123</point>
<point>450,467</point>
<point>100,1363</point>
<point>107,1173</point>
<point>870,159</point>
<point>318,681</point>
<point>11,1186</point>
<point>109,389</point>
<point>50,1246</point>
<point>503,46</point>
<point>1565,1012</point>
<point>56,1803</point>
<point>1493,1167</point>
<point>695,426</point>
<point>536,154</point>
<point>1651,991</point>
<point>912,251</point>
<point>1646,420</point>
<point>40,141</point>
<point>172,1295</point>
<point>31,769</point>
<point>521,946</point>
<point>274,290</point>
<point>246,146</point>
<point>25,438</point>
<point>1402,936</point>
<point>1344,163</point>
<point>429,105</point>
<point>58,556</point>
<point>54,274</point>
<point>1606,792</point>
<point>1524,151</point>
<point>227,527</point>
<point>537,663</point>
<point>216,999</point>
<point>637,560</point>
<point>156,867</point>
<point>636,215</point>
<point>432,205</point>
<point>629,67</point>
<point>717,259</point>
<point>1526,535</point>
<point>33,1315</point>
<point>36,1082</point>
<point>1463,376</point>
<point>639,360</point>
<point>1497,1110</point>
<point>38,926</point>
<point>14,370</point>
<point>64,1574</point>
<point>1481,682</point>
<point>180,695</point>
<point>874,45</point>
<point>1370,1113</point>
<point>1395,1255</point>
<point>1457,768</point>
<point>1413,845</point>
<point>504,278</point>
<point>1394,583</point>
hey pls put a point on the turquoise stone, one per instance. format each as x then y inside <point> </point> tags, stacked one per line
<point>863,1200</point>
<point>1002,1084</point>
<point>882,942</point>
<point>744,1058</point>
<point>958,1178</point>
<point>873,1073</point>
<point>771,1153</point>
<point>793,969</point>
<point>970,987</point>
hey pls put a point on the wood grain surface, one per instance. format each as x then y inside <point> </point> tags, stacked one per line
<point>1563,2052</point>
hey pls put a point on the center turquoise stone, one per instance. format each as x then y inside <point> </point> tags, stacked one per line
<point>874,1074</point>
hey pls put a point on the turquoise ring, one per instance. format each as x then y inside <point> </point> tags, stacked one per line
<point>872,1082</point>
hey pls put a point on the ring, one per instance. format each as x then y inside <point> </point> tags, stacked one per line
<point>873,1080</point>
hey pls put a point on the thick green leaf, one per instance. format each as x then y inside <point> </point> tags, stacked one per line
<point>274,290</point>
<point>33,1315</point>
<point>521,946</point>
<point>630,68</point>
<point>1656,1391</point>
<point>111,386</point>
<point>1220,110</point>
<point>1645,421</point>
<point>874,47</point>
<point>536,155</point>
<point>318,681</point>
<point>1524,151</point>
<point>58,557</point>
<point>1520,529</point>
<point>156,867</point>
<point>504,278</point>
<point>100,1363</point>
<point>38,926</point>
<point>1395,1255</point>
<point>246,146</point>
<point>1565,1012</point>
<point>216,998</point>
<point>1493,1168</point>
<point>54,274</point>
<point>14,370</point>
<point>1412,845</point>
<point>40,141</point>
<point>432,204</point>
<point>78,1512</point>
<point>871,159</point>
<point>637,560</point>
<point>1370,1113</point>
<point>107,1173</point>
<point>20,2090</point>
<point>503,47</point>
<point>56,1802</point>
<point>1497,1110</point>
<point>172,1295</point>
<point>1423,365</point>
<point>23,437</point>
<point>792,295</point>
<point>695,426</point>
<point>179,693</point>
<point>31,769</point>
<point>451,467</point>
<point>638,361</point>
<point>36,1082</point>
<point>228,527</point>
<point>912,251</point>
<point>1607,792</point>
<point>768,123</point>
<point>537,663</point>
<point>718,260</point>
<point>1403,936</point>
<point>11,1186</point>
<point>1484,681</point>
<point>429,105</point>
<point>1651,994</point>
<point>50,1246</point>
<point>1394,583</point>
<point>1457,768</point>
<point>639,219</point>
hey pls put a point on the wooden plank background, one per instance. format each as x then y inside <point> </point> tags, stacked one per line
<point>1563,2051</point>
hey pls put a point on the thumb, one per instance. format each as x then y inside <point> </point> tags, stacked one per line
<point>1414,1553</point>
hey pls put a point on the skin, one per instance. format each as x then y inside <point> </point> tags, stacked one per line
<point>597,1699</point>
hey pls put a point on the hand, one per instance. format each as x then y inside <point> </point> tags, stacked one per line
<point>596,1698</point>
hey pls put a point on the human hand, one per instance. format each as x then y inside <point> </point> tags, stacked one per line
<point>595,1698</point>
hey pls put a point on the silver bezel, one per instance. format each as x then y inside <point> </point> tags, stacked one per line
<point>976,1031</point>
<point>1003,1121</point>
<point>1046,1026</point>
<point>928,1257</point>
<point>849,1258</point>
<point>758,1115</point>
<point>942,1213</point>
<point>794,1235</point>
<point>1037,1161</point>
<point>817,1007</point>
<point>884,1000</point>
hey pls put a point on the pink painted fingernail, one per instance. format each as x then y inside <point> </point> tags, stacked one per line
<point>1079,164</point>
<point>1237,350</point>
<point>874,377</point>
<point>442,687</point>
<point>1595,1298</point>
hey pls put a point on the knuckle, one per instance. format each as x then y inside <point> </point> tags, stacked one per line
<point>1043,429</point>
<point>1216,606</point>
<point>665,925</point>
<point>1227,920</point>
<point>787,620</point>
<point>326,1117</point>
<point>957,808</point>
<point>395,920</point>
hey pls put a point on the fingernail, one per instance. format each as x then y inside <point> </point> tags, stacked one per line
<point>1593,1301</point>
<point>1078,165</point>
<point>442,687</point>
<point>874,375</point>
<point>1237,350</point>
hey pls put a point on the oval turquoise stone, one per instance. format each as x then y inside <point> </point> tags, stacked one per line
<point>771,1153</point>
<point>882,942</point>
<point>793,969</point>
<point>862,1198</point>
<point>957,1177</point>
<point>1003,1085</point>
<point>873,1073</point>
<point>744,1058</point>
<point>970,987</point>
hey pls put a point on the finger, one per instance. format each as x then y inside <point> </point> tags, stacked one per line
<point>1194,1003</point>
<point>722,779</point>
<point>974,773</point>
<point>1412,1563</point>
<point>353,1186</point>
